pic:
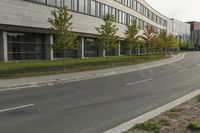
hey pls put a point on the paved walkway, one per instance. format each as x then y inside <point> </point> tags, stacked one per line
<point>70,77</point>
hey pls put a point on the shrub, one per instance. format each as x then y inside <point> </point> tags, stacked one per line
<point>148,126</point>
<point>194,126</point>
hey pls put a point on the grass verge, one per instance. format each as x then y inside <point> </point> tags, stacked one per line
<point>182,119</point>
<point>45,67</point>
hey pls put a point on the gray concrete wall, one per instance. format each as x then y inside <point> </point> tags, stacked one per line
<point>24,13</point>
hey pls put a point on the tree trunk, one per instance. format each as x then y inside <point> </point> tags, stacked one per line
<point>64,60</point>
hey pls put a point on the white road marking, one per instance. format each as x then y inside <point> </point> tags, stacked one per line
<point>18,88</point>
<point>141,81</point>
<point>15,108</point>
<point>183,70</point>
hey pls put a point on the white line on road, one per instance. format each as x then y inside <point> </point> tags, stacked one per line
<point>18,88</point>
<point>15,108</point>
<point>141,81</point>
<point>182,70</point>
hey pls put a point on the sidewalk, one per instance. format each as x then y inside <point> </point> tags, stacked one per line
<point>70,77</point>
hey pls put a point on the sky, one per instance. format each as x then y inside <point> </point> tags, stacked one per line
<point>184,10</point>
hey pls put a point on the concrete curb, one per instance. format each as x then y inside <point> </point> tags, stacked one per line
<point>149,115</point>
<point>114,71</point>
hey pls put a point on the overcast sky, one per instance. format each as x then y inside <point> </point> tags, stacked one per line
<point>184,10</point>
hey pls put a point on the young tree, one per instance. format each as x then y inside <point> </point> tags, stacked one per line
<point>172,42</point>
<point>190,45</point>
<point>107,38</point>
<point>162,40</point>
<point>149,37</point>
<point>132,38</point>
<point>64,38</point>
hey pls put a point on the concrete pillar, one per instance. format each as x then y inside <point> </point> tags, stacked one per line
<point>128,52</point>
<point>81,48</point>
<point>49,50</point>
<point>102,52</point>
<point>138,50</point>
<point>118,50</point>
<point>4,46</point>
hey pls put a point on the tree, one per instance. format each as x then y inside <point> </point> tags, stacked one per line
<point>149,37</point>
<point>173,43</point>
<point>190,45</point>
<point>64,38</point>
<point>162,40</point>
<point>107,38</point>
<point>132,38</point>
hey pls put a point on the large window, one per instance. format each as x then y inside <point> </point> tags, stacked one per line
<point>82,6</point>
<point>26,46</point>
<point>90,48</point>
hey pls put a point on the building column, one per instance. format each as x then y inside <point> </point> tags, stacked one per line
<point>128,52</point>
<point>118,50</point>
<point>3,46</point>
<point>102,52</point>
<point>81,48</point>
<point>49,50</point>
<point>138,50</point>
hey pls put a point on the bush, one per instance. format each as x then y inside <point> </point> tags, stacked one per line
<point>194,126</point>
<point>148,126</point>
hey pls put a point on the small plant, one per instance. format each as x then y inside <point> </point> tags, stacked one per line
<point>198,98</point>
<point>148,126</point>
<point>173,113</point>
<point>194,126</point>
<point>164,122</point>
<point>176,110</point>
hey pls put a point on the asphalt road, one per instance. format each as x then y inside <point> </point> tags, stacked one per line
<point>96,105</point>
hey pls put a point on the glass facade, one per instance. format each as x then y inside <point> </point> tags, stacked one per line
<point>98,9</point>
<point>68,54</point>
<point>181,30</point>
<point>90,48</point>
<point>25,46</point>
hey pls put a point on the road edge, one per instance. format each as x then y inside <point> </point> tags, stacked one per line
<point>149,115</point>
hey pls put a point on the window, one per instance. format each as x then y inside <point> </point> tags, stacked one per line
<point>106,9</point>
<point>75,5</point>
<point>41,1</point>
<point>51,2</point>
<point>93,8</point>
<point>82,6</point>
<point>68,3</point>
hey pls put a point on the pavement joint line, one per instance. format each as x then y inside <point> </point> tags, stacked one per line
<point>15,108</point>
<point>74,79</point>
<point>151,114</point>
<point>141,81</point>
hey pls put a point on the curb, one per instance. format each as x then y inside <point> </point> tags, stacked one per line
<point>149,115</point>
<point>86,77</point>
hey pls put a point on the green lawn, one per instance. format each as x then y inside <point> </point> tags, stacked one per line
<point>46,67</point>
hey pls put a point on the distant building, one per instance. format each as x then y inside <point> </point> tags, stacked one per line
<point>181,30</point>
<point>195,33</point>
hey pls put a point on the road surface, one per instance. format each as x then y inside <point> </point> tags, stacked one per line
<point>96,105</point>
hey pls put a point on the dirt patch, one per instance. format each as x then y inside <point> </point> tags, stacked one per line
<point>182,119</point>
